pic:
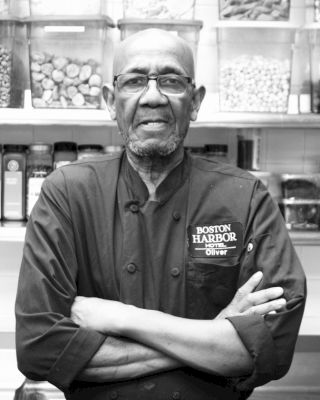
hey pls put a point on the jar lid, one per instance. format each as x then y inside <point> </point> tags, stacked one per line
<point>216,148</point>
<point>65,146</point>
<point>195,149</point>
<point>15,148</point>
<point>90,147</point>
<point>40,147</point>
<point>112,149</point>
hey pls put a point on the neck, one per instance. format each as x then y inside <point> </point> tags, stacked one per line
<point>153,170</point>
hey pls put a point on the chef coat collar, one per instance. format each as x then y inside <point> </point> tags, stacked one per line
<point>167,187</point>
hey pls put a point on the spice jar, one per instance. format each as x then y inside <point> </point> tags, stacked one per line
<point>86,151</point>
<point>218,152</point>
<point>64,153</point>
<point>14,182</point>
<point>39,166</point>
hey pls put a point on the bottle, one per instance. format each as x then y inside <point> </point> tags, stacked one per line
<point>86,151</point>
<point>14,182</point>
<point>249,149</point>
<point>64,153</point>
<point>39,166</point>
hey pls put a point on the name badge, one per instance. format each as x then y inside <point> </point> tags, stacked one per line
<point>223,240</point>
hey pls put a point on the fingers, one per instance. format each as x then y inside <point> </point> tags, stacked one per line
<point>251,284</point>
<point>270,307</point>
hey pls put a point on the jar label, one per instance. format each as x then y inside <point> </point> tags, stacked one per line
<point>34,189</point>
<point>13,195</point>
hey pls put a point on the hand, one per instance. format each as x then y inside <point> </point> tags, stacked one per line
<point>105,316</point>
<point>246,301</point>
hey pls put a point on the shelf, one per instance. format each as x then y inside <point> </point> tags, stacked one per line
<point>12,232</point>
<point>80,117</point>
<point>12,116</point>
<point>305,238</point>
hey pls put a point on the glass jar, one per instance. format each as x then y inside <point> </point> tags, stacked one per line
<point>218,152</point>
<point>14,182</point>
<point>64,153</point>
<point>86,151</point>
<point>39,166</point>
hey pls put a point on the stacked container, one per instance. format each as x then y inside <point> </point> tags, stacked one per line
<point>67,61</point>
<point>172,15</point>
<point>12,80</point>
<point>255,70</point>
<point>300,204</point>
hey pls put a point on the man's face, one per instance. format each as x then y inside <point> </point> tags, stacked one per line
<point>150,122</point>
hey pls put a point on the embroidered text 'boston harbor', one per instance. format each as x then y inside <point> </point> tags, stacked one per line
<point>223,240</point>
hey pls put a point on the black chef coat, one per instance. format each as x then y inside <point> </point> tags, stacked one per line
<point>93,233</point>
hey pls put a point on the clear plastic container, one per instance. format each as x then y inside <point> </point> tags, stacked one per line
<point>255,68</point>
<point>300,186</point>
<point>11,81</point>
<point>301,215</point>
<point>169,9</point>
<point>314,47</point>
<point>255,10</point>
<point>67,7</point>
<point>188,30</point>
<point>4,7</point>
<point>68,63</point>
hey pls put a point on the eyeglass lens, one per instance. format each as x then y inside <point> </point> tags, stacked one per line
<point>167,84</point>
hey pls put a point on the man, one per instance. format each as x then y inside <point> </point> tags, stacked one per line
<point>132,265</point>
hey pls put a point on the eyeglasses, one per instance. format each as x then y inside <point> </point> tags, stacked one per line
<point>167,84</point>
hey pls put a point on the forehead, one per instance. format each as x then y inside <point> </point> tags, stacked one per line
<point>154,52</point>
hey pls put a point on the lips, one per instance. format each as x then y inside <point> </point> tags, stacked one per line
<point>153,122</point>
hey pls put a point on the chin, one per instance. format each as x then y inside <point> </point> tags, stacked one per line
<point>153,149</point>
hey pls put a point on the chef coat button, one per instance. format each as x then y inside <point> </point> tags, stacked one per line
<point>175,272</point>
<point>176,215</point>
<point>176,395</point>
<point>113,395</point>
<point>250,247</point>
<point>134,208</point>
<point>131,268</point>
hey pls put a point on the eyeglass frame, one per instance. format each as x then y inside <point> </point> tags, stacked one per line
<point>190,81</point>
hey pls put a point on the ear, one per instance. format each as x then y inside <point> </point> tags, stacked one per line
<point>108,95</point>
<point>198,95</point>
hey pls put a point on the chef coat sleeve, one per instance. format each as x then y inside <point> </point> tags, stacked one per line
<point>50,346</point>
<point>270,339</point>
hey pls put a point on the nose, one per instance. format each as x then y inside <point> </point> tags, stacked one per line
<point>152,96</point>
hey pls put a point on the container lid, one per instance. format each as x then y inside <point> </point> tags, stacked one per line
<point>216,148</point>
<point>65,146</point>
<point>158,22</point>
<point>90,147</point>
<point>72,19</point>
<point>14,148</point>
<point>40,147</point>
